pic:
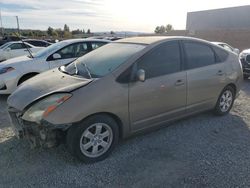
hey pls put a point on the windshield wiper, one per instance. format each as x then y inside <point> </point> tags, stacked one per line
<point>86,70</point>
<point>27,48</point>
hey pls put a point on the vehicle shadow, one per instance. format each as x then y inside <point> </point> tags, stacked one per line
<point>202,150</point>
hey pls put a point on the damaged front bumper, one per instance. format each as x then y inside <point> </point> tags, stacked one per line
<point>39,135</point>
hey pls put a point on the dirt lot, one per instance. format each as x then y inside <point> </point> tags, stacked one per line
<point>203,150</point>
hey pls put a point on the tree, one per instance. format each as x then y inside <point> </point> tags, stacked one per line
<point>83,31</point>
<point>88,31</point>
<point>112,32</point>
<point>54,33</point>
<point>67,34</point>
<point>50,31</point>
<point>76,32</point>
<point>66,28</point>
<point>59,32</point>
<point>160,29</point>
<point>169,27</point>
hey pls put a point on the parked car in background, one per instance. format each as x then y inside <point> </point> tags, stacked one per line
<point>245,64</point>
<point>15,71</point>
<point>38,43</point>
<point>15,49</point>
<point>123,88</point>
<point>9,39</point>
<point>228,47</point>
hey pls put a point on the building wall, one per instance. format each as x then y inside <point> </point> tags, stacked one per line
<point>238,38</point>
<point>227,18</point>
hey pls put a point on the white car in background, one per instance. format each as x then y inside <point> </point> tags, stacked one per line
<point>15,71</point>
<point>227,47</point>
<point>16,49</point>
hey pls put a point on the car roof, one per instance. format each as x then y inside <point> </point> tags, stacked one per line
<point>154,39</point>
<point>34,40</point>
<point>84,40</point>
<point>13,42</point>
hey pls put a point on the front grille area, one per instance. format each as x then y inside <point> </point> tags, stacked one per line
<point>16,122</point>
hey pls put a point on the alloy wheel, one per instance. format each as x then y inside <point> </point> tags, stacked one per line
<point>226,101</point>
<point>96,140</point>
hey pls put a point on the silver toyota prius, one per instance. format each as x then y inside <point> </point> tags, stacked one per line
<point>121,89</point>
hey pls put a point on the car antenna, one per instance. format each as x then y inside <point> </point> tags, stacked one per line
<point>25,45</point>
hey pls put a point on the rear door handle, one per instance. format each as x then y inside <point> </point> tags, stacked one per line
<point>179,82</point>
<point>220,73</point>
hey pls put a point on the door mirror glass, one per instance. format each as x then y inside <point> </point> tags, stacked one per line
<point>141,75</point>
<point>56,56</point>
<point>236,50</point>
<point>248,58</point>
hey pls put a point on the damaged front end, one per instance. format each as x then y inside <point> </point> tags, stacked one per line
<point>39,135</point>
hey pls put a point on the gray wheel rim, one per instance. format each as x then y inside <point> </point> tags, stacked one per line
<point>96,140</point>
<point>226,100</point>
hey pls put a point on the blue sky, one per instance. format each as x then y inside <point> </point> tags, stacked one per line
<point>105,15</point>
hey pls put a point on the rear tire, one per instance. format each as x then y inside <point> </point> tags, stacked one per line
<point>225,101</point>
<point>93,139</point>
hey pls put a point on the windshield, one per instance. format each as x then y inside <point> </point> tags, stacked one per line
<point>50,49</point>
<point>4,45</point>
<point>104,60</point>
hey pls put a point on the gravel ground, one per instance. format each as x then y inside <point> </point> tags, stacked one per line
<point>201,151</point>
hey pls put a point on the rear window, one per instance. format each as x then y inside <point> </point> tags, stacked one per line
<point>221,54</point>
<point>198,55</point>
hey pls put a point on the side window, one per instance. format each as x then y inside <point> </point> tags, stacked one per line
<point>81,49</point>
<point>16,46</point>
<point>96,45</point>
<point>220,53</point>
<point>73,50</point>
<point>162,60</point>
<point>26,45</point>
<point>198,55</point>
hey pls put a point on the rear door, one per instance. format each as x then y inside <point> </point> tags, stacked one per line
<point>205,75</point>
<point>68,54</point>
<point>163,94</point>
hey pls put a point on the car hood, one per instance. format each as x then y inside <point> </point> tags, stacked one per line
<point>52,81</point>
<point>14,61</point>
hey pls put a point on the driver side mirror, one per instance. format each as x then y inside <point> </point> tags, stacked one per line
<point>141,76</point>
<point>57,56</point>
<point>248,58</point>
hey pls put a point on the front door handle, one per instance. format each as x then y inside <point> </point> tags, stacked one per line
<point>220,73</point>
<point>179,83</point>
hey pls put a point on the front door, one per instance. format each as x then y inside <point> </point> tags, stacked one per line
<point>163,94</point>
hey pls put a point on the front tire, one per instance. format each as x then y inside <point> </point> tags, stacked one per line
<point>225,101</point>
<point>93,139</point>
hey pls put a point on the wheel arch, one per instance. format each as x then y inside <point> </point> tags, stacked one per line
<point>113,116</point>
<point>233,86</point>
<point>26,76</point>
